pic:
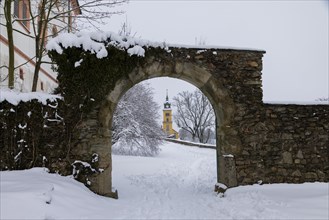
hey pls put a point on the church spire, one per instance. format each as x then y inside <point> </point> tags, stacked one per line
<point>167,99</point>
<point>167,104</point>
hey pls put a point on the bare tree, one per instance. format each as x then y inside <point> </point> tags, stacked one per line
<point>8,20</point>
<point>126,29</point>
<point>201,41</point>
<point>194,115</point>
<point>95,13</point>
<point>322,99</point>
<point>50,17</point>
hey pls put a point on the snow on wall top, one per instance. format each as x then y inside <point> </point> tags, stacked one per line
<point>315,102</point>
<point>15,97</point>
<point>94,42</point>
<point>205,47</point>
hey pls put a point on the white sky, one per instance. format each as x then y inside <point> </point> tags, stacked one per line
<point>294,35</point>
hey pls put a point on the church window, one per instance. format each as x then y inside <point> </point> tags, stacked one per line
<point>167,119</point>
<point>167,127</point>
<point>167,114</point>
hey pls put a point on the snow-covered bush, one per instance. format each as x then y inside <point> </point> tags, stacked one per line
<point>135,128</point>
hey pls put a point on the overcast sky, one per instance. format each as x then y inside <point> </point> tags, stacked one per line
<point>294,35</point>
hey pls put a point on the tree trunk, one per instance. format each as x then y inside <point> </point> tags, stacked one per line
<point>36,76</point>
<point>37,65</point>
<point>9,27</point>
<point>40,39</point>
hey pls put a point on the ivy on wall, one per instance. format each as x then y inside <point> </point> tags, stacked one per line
<point>88,83</point>
<point>31,134</point>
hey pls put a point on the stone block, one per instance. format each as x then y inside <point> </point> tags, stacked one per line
<point>297,161</point>
<point>296,173</point>
<point>227,172</point>
<point>253,64</point>
<point>311,175</point>
<point>300,154</point>
<point>286,157</point>
<point>287,136</point>
<point>242,173</point>
<point>244,152</point>
<point>320,174</point>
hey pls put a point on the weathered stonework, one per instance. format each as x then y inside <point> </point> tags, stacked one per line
<point>255,141</point>
<point>271,143</point>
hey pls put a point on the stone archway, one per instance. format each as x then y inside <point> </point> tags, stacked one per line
<point>203,80</point>
<point>255,141</point>
<point>228,142</point>
<point>231,79</point>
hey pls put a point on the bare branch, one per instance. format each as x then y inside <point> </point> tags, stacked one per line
<point>24,63</point>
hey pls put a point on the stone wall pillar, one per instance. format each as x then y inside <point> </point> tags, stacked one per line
<point>102,182</point>
<point>227,170</point>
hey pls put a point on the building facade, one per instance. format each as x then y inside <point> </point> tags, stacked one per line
<point>62,20</point>
<point>167,126</point>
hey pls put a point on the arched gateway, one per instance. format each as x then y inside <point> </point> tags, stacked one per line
<point>95,70</point>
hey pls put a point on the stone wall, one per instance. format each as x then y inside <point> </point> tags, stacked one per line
<point>255,141</point>
<point>271,143</point>
<point>191,144</point>
<point>289,143</point>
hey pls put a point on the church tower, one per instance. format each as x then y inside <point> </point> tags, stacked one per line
<point>167,120</point>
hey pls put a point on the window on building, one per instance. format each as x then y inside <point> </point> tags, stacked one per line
<point>16,8</point>
<point>57,5</point>
<point>43,28</point>
<point>167,114</point>
<point>21,74</point>
<point>21,11</point>
<point>167,119</point>
<point>25,13</point>
<point>167,127</point>
<point>55,31</point>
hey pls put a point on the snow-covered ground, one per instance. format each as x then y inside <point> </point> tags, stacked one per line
<point>178,184</point>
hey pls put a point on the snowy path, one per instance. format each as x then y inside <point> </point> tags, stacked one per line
<point>178,184</point>
<point>163,186</point>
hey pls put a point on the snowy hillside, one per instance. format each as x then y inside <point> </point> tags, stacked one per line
<point>177,184</point>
